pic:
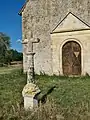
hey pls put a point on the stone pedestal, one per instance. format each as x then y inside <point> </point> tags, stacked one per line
<point>30,102</point>
<point>29,93</point>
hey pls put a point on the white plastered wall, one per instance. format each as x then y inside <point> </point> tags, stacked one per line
<point>59,39</point>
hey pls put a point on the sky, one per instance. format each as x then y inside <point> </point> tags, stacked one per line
<point>11,22</point>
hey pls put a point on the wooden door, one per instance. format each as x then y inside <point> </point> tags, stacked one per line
<point>71,58</point>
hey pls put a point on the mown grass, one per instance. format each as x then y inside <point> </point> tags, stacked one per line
<point>69,90</point>
<point>11,86</point>
<point>70,99</point>
<point>9,69</point>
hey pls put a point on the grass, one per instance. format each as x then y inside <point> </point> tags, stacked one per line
<point>9,69</point>
<point>68,91</point>
<point>70,100</point>
<point>11,86</point>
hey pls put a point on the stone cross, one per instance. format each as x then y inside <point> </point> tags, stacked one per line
<point>30,53</point>
<point>30,89</point>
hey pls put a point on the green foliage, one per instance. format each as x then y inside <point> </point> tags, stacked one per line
<point>16,56</point>
<point>4,46</point>
<point>6,54</point>
<point>4,41</point>
<point>8,57</point>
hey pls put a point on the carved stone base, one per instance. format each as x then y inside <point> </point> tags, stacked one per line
<point>30,102</point>
<point>29,92</point>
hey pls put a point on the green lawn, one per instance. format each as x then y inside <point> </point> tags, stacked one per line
<point>69,91</point>
<point>9,69</point>
<point>11,86</point>
<point>71,95</point>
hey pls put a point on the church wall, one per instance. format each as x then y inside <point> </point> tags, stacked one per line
<point>82,38</point>
<point>40,17</point>
<point>35,20</point>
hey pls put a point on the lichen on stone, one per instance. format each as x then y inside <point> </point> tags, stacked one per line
<point>30,89</point>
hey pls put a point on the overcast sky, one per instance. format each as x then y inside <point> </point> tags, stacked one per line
<point>10,21</point>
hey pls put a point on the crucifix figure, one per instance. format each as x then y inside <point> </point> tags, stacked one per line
<point>30,72</point>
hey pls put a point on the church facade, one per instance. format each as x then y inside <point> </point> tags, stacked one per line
<point>63,28</point>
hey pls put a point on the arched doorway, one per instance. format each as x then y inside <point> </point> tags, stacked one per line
<point>71,58</point>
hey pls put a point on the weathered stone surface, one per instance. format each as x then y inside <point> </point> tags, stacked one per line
<point>40,17</point>
<point>30,103</point>
<point>30,89</point>
<point>29,92</point>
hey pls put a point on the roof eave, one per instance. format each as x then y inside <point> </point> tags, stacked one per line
<point>22,9</point>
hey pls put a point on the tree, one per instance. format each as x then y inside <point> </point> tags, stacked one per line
<point>4,46</point>
<point>4,40</point>
<point>6,54</point>
<point>8,57</point>
<point>16,56</point>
